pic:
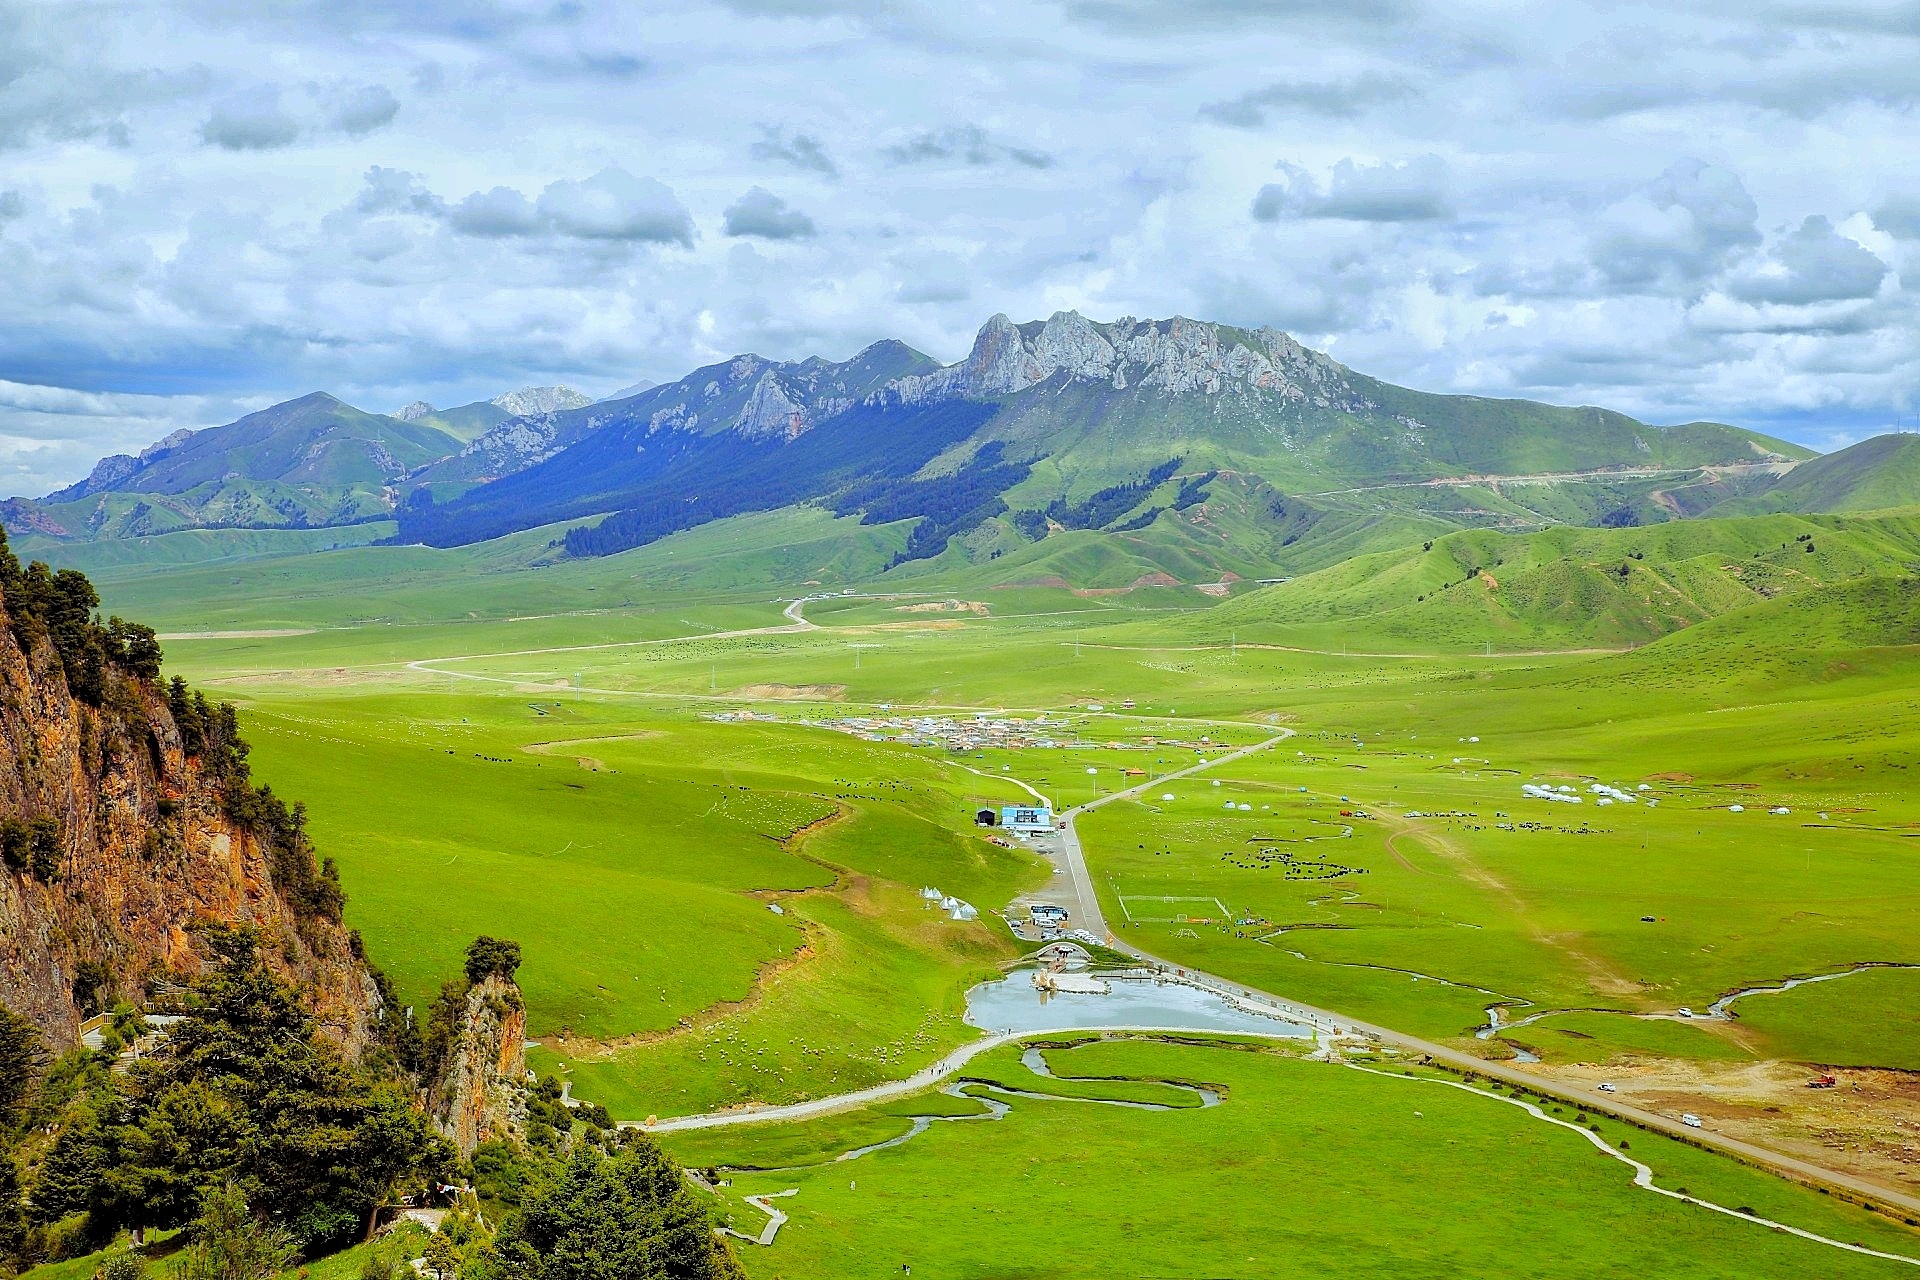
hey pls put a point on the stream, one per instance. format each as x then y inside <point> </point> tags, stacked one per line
<point>981,1091</point>
<point>1718,1009</point>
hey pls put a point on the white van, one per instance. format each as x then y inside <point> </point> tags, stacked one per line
<point>1690,1120</point>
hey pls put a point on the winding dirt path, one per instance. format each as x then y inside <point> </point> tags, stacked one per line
<point>1600,972</point>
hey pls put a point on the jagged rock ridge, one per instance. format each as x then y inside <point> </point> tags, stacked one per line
<point>1176,356</point>
<point>540,400</point>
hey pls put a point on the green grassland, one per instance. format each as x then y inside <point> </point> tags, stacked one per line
<point>490,743</point>
<point>1534,919</point>
<point>1572,587</point>
<point>1547,914</point>
<point>1872,1019</point>
<point>637,856</point>
<point>1303,1168</point>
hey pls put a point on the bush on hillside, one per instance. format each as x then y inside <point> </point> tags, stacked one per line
<point>627,1213</point>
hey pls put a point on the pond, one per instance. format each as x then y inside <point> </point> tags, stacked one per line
<point>1013,1004</point>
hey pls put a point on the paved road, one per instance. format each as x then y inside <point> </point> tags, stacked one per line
<point>1087,916</point>
<point>921,1079</point>
<point>1558,477</point>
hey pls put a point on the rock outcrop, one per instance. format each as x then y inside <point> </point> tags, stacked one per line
<point>133,851</point>
<point>482,1090</point>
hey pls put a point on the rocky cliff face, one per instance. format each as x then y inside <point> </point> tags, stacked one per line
<point>482,1092</point>
<point>513,445</point>
<point>135,851</point>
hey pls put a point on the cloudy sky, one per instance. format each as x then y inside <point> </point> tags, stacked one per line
<point>1679,210</point>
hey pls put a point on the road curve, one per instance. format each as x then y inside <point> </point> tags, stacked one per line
<point>921,1079</point>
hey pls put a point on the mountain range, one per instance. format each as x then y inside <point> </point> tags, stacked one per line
<point>1178,432</point>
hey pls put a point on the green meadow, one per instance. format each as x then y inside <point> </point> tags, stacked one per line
<point>1303,1168</point>
<point>629,766</point>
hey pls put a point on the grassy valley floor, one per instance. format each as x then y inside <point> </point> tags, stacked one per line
<point>531,764</point>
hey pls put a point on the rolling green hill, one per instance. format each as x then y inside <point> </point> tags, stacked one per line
<point>466,423</point>
<point>1806,638</point>
<point>1570,587</point>
<point>1880,474</point>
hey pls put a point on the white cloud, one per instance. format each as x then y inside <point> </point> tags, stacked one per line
<point>1415,190</point>
<point>251,121</point>
<point>762,214</point>
<point>1680,212</point>
<point>1812,264</point>
<point>360,111</point>
<point>615,205</point>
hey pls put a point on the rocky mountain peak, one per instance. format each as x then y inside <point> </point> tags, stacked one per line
<point>541,400</point>
<point>414,412</point>
<point>1176,356</point>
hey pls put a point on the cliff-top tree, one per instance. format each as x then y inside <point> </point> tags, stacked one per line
<point>488,957</point>
<point>59,605</point>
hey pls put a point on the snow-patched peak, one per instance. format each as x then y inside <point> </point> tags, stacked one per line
<point>1175,356</point>
<point>414,412</point>
<point>541,400</point>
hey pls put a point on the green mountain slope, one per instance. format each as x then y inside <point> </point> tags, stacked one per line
<point>1880,474</point>
<point>309,462</point>
<point>1863,627</point>
<point>1097,453</point>
<point>465,423</point>
<point>1568,587</point>
<point>1096,402</point>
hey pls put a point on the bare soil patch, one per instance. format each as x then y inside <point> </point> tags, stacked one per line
<point>791,691</point>
<point>944,606</point>
<point>1867,1125</point>
<point>561,747</point>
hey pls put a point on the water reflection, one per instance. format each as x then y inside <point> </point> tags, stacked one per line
<point>1013,1004</point>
